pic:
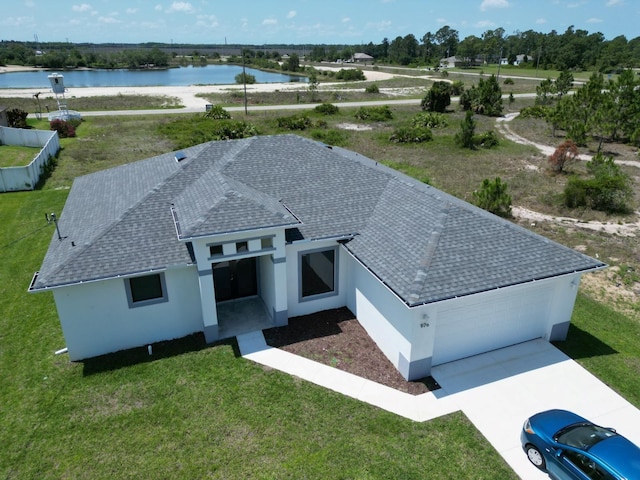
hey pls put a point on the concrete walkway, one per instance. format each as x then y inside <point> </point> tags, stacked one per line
<point>497,391</point>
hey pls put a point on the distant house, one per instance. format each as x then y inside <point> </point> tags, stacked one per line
<point>362,58</point>
<point>453,61</point>
<point>518,60</point>
<point>188,242</point>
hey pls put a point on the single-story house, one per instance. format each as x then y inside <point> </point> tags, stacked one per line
<point>362,58</point>
<point>453,61</point>
<point>517,61</point>
<point>168,246</point>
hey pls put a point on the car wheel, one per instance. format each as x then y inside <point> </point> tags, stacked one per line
<point>535,457</point>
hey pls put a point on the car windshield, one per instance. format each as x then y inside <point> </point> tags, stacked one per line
<point>582,435</point>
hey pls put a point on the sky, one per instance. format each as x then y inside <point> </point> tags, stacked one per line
<point>259,22</point>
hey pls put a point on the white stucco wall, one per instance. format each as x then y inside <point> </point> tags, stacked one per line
<point>298,306</point>
<point>96,318</point>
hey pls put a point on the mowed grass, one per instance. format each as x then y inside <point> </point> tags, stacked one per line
<point>190,410</point>
<point>17,156</point>
<point>196,411</point>
<point>90,104</point>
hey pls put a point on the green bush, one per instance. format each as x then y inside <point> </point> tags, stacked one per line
<point>465,137</point>
<point>216,112</point>
<point>373,88</point>
<point>189,131</point>
<point>609,190</point>
<point>17,118</point>
<point>374,114</point>
<point>411,135</point>
<point>247,78</point>
<point>438,98</point>
<point>350,74</point>
<point>487,139</point>
<point>508,81</point>
<point>493,197</point>
<point>535,111</point>
<point>457,87</point>
<point>294,122</point>
<point>327,109</point>
<point>430,120</point>
<point>330,137</point>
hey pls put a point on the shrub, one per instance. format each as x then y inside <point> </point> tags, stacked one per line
<point>330,137</point>
<point>350,74</point>
<point>535,111</point>
<point>65,129</point>
<point>294,122</point>
<point>487,139</point>
<point>373,88</point>
<point>411,135</point>
<point>247,78</point>
<point>438,98</point>
<point>609,189</point>
<point>374,114</point>
<point>508,81</point>
<point>216,112</point>
<point>429,120</point>
<point>493,197</point>
<point>457,87</point>
<point>566,154</point>
<point>17,118</point>
<point>188,131</point>
<point>327,109</point>
<point>465,137</point>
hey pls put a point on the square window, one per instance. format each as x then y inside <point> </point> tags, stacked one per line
<point>146,290</point>
<point>242,247</point>
<point>317,273</point>
<point>266,242</point>
<point>215,250</point>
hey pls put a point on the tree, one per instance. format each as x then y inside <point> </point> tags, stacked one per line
<point>469,49</point>
<point>243,78</point>
<point>465,137</point>
<point>485,99</point>
<point>493,197</point>
<point>293,63</point>
<point>313,85</point>
<point>438,98</point>
<point>566,153</point>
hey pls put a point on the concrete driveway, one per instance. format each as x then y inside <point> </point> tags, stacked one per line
<point>497,391</point>
<point>500,389</point>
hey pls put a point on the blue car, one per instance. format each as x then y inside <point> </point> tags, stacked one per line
<point>567,446</point>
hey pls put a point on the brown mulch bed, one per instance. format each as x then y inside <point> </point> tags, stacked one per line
<point>336,338</point>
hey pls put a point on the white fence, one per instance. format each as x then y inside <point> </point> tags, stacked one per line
<point>26,178</point>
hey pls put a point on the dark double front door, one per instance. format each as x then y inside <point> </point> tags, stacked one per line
<point>235,279</point>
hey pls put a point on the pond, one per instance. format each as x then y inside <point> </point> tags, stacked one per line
<point>182,76</point>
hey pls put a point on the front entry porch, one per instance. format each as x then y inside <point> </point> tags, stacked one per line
<point>244,315</point>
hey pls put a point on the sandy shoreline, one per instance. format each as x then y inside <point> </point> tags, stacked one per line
<point>186,94</point>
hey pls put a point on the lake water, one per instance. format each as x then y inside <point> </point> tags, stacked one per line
<point>182,76</point>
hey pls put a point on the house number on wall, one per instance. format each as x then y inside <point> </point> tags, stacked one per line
<point>424,324</point>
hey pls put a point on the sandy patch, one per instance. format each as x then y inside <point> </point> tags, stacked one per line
<point>354,126</point>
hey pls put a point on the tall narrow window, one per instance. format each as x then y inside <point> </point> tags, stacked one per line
<point>146,290</point>
<point>318,273</point>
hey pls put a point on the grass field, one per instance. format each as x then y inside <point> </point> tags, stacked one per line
<point>196,411</point>
<point>17,156</point>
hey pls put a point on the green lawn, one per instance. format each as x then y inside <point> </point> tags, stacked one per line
<point>17,156</point>
<point>196,411</point>
<point>190,411</point>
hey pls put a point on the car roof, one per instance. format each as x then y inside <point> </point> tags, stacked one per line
<point>619,454</point>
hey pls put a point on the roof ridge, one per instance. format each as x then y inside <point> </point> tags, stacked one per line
<point>417,285</point>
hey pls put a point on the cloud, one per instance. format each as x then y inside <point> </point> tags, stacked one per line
<point>594,20</point>
<point>292,14</point>
<point>131,11</point>
<point>84,7</point>
<point>158,8</point>
<point>381,26</point>
<point>484,24</point>
<point>183,7</point>
<point>108,20</point>
<point>488,4</point>
<point>269,21</point>
<point>346,20</point>
<point>613,3</point>
<point>17,21</point>
<point>209,21</point>
<point>541,21</point>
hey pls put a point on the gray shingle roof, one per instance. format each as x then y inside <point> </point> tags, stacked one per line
<point>424,244</point>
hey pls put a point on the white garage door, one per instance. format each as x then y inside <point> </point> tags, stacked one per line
<point>475,325</point>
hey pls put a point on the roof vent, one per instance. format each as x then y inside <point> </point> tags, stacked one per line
<point>180,156</point>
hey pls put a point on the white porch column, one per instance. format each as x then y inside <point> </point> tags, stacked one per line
<point>208,303</point>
